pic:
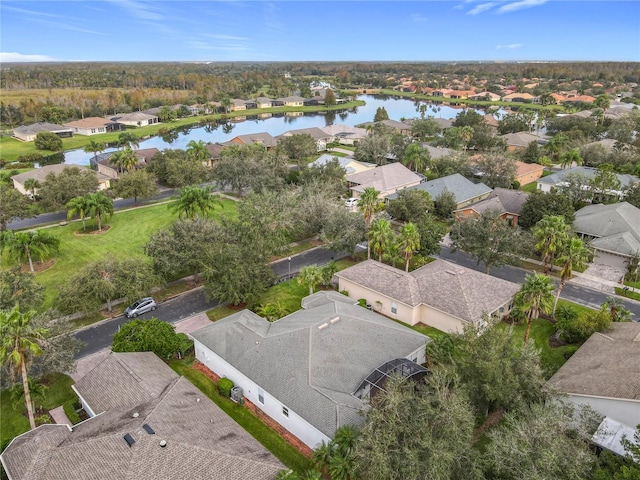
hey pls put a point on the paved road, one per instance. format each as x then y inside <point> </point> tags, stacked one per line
<point>56,217</point>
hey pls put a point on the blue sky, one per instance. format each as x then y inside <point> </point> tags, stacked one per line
<point>133,30</point>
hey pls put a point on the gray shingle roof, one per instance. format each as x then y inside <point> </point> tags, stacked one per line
<point>384,179</point>
<point>41,173</point>
<point>41,127</point>
<point>458,291</point>
<point>502,200</point>
<point>616,225</point>
<point>522,139</point>
<point>588,173</point>
<point>202,442</point>
<point>313,371</point>
<point>262,138</point>
<point>606,365</point>
<point>462,188</point>
<point>315,133</point>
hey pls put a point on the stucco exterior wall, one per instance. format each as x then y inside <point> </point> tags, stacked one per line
<point>387,305</point>
<point>440,320</point>
<point>622,410</point>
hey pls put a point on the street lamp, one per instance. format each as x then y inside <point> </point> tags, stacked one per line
<point>289,276</point>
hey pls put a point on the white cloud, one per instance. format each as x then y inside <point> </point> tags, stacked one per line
<point>511,46</point>
<point>140,10</point>
<point>513,6</point>
<point>8,57</point>
<point>483,7</point>
<point>219,36</point>
<point>419,17</point>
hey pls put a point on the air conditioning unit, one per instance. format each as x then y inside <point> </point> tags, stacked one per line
<point>236,395</point>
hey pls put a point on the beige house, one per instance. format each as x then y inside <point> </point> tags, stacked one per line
<point>387,179</point>
<point>528,172</point>
<point>441,294</point>
<point>106,168</point>
<point>28,133</point>
<point>349,164</point>
<point>94,126</point>
<point>136,119</point>
<point>293,101</point>
<point>40,174</point>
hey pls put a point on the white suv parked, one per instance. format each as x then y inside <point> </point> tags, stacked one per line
<point>141,306</point>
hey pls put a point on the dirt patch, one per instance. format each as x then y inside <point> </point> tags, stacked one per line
<point>95,231</point>
<point>555,342</point>
<point>491,421</point>
<point>39,266</point>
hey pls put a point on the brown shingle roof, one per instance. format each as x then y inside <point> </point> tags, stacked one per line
<point>384,179</point>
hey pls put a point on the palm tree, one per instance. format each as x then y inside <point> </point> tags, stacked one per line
<point>32,184</point>
<point>617,311</point>
<point>535,297</point>
<point>409,242</point>
<point>77,206</point>
<point>272,311</point>
<point>322,455</point>
<point>415,158</point>
<point>198,150</point>
<point>99,206</point>
<point>125,160</point>
<point>19,340</point>
<point>94,147</point>
<point>380,237</point>
<point>128,139</point>
<point>567,159</point>
<point>310,275</point>
<point>573,254</point>
<point>549,233</point>
<point>603,103</point>
<point>36,390</point>
<point>26,245</point>
<point>370,204</point>
<point>194,202</point>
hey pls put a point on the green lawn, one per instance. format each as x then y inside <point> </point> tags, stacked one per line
<point>128,233</point>
<point>529,187</point>
<point>13,421</point>
<point>271,440</point>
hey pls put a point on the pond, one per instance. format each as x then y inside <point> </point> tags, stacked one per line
<point>397,108</point>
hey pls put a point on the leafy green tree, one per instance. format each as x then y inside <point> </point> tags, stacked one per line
<point>373,148</point>
<point>298,148</point>
<point>498,169</point>
<point>32,184</point>
<point>512,123</point>
<point>409,242</point>
<point>468,118</point>
<point>535,297</point>
<point>19,288</point>
<point>13,206</point>
<point>603,103</point>
<point>416,158</point>
<point>572,254</point>
<point>415,431</point>
<point>136,184</point>
<point>329,98</point>
<point>445,204</point>
<point>410,205</point>
<point>541,441</point>
<point>99,206</point>
<point>450,164</point>
<point>369,204</point>
<point>72,182</point>
<point>532,153</point>
<point>125,159</point>
<point>605,184</point>
<point>381,114</point>
<point>311,276</point>
<point>198,150</point>
<point>488,238</point>
<point>424,127</point>
<point>550,234</point>
<point>343,230</point>
<point>106,280</point>
<point>26,245</point>
<point>195,202</point>
<point>19,342</point>
<point>48,141</point>
<point>167,114</point>
<point>431,234</point>
<point>540,204</point>
<point>151,335</point>
<point>579,328</point>
<point>632,194</point>
<point>175,168</point>
<point>381,237</point>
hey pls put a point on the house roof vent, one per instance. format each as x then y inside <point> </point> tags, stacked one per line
<point>163,443</point>
<point>129,439</point>
<point>148,429</point>
<point>323,326</point>
<point>135,415</point>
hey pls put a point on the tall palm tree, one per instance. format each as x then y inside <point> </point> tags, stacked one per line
<point>128,139</point>
<point>573,254</point>
<point>602,102</point>
<point>77,206</point>
<point>94,147</point>
<point>20,340</point>
<point>99,206</point>
<point>535,297</point>
<point>195,202</point>
<point>415,158</point>
<point>567,159</point>
<point>381,236</point>
<point>23,246</point>
<point>32,184</point>
<point>36,390</point>
<point>409,241</point>
<point>310,275</point>
<point>198,150</point>
<point>370,204</point>
<point>549,233</point>
<point>125,159</point>
<point>617,311</point>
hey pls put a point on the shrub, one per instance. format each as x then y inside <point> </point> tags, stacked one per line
<point>362,302</point>
<point>70,411</point>
<point>224,387</point>
<point>574,330</point>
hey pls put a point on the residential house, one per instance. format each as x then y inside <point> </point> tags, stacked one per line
<point>505,201</point>
<point>613,231</point>
<point>460,94</point>
<point>579,99</point>
<point>387,179</point>
<point>146,423</point>
<point>486,96</point>
<point>308,370</point>
<point>444,123</point>
<point>521,140</point>
<point>264,102</point>
<point>521,98</point>
<point>106,168</point>
<point>491,121</point>
<point>28,133</point>
<point>320,136</point>
<point>344,134</point>
<point>349,164</point>
<point>528,172</point>
<point>136,119</point>
<point>603,374</point>
<point>95,126</point>
<point>237,104</point>
<point>40,174</point>
<point>293,101</point>
<point>440,294</point>
<point>464,190</point>
<point>214,152</point>
<point>437,152</point>
<point>558,179</point>
<point>260,138</point>
<point>401,127</point>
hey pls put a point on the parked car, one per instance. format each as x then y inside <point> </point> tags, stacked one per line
<point>351,202</point>
<point>141,306</point>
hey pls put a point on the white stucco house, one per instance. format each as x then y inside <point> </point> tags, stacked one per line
<point>308,370</point>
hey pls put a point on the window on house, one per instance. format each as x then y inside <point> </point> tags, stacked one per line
<point>93,130</point>
<point>285,411</point>
<point>261,396</point>
<point>394,307</point>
